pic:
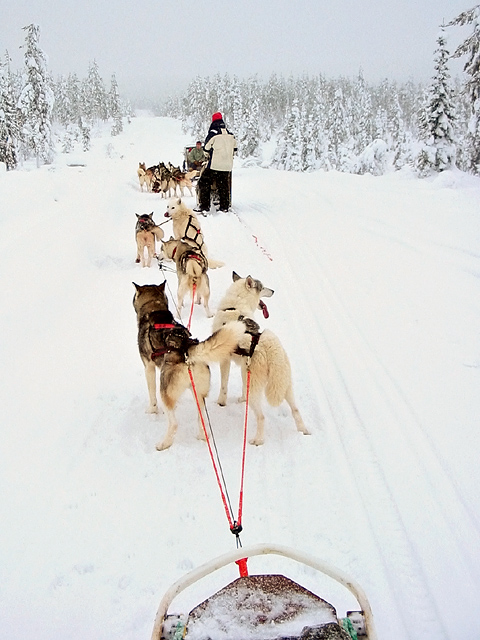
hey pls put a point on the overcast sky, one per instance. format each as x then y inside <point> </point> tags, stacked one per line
<point>155,46</point>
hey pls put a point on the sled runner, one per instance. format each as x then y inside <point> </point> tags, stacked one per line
<point>263,607</point>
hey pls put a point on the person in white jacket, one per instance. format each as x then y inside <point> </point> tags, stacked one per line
<point>220,145</point>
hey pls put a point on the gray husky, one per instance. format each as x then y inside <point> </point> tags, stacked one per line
<point>192,268</point>
<point>166,344</point>
<point>146,232</point>
<point>268,362</point>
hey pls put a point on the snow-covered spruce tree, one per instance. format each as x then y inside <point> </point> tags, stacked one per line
<point>195,107</point>
<point>36,99</point>
<point>250,136</point>
<point>94,96</point>
<point>361,106</point>
<point>471,48</point>
<point>288,154</point>
<point>61,109</point>
<point>9,128</point>
<point>437,121</point>
<point>462,117</point>
<point>115,108</point>
<point>338,132</point>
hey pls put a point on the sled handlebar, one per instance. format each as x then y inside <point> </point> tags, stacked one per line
<point>257,550</point>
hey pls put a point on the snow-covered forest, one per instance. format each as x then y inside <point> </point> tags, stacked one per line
<point>36,111</point>
<point>305,123</point>
<point>349,124</point>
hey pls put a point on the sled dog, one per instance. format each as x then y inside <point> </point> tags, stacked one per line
<point>192,268</point>
<point>168,345</point>
<point>146,232</point>
<point>142,176</point>
<point>186,227</point>
<point>183,180</point>
<point>270,371</point>
<point>163,181</point>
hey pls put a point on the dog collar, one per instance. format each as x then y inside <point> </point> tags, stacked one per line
<point>164,326</point>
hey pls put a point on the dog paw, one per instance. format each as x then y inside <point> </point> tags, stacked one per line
<point>222,400</point>
<point>241,399</point>
<point>151,409</point>
<point>256,441</point>
<point>165,444</point>
<point>201,435</point>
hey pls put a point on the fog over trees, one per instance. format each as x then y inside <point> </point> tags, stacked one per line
<point>306,122</point>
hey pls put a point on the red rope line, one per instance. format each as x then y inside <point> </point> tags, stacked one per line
<point>240,499</point>
<point>191,308</point>
<point>217,475</point>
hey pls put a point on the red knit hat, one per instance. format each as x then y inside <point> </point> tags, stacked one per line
<point>217,116</point>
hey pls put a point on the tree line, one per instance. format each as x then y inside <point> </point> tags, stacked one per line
<point>32,103</point>
<point>350,124</point>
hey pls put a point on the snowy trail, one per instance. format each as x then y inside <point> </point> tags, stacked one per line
<point>369,491</point>
<point>377,304</point>
<point>381,466</point>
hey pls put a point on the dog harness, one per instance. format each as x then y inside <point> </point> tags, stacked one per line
<point>174,337</point>
<point>194,255</point>
<point>253,329</point>
<point>248,354</point>
<point>196,233</point>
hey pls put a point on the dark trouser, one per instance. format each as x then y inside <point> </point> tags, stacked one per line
<point>222,181</point>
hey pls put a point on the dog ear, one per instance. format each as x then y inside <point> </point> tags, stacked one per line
<point>137,215</point>
<point>137,286</point>
<point>161,287</point>
<point>235,276</point>
<point>150,215</point>
<point>179,201</point>
<point>266,293</point>
<point>249,282</point>
<point>171,238</point>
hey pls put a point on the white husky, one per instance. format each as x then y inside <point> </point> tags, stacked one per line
<point>186,227</point>
<point>270,372</point>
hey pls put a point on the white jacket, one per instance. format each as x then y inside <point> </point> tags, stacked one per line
<point>223,146</point>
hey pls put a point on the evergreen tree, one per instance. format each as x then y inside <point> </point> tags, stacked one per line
<point>337,132</point>
<point>438,117</point>
<point>36,99</point>
<point>250,136</point>
<point>288,154</point>
<point>361,107</point>
<point>9,130</point>
<point>94,96</point>
<point>471,48</point>
<point>115,108</point>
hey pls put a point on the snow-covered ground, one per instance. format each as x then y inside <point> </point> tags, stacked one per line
<point>377,284</point>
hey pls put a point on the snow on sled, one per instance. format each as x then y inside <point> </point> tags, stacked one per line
<point>263,607</point>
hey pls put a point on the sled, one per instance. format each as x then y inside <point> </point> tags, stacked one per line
<point>264,606</point>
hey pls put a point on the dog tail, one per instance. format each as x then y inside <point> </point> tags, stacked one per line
<point>158,232</point>
<point>219,345</point>
<point>193,268</point>
<point>215,264</point>
<point>279,376</point>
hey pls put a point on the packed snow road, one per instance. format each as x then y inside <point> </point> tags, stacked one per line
<point>376,302</point>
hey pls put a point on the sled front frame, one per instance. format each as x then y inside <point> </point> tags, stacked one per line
<point>257,550</point>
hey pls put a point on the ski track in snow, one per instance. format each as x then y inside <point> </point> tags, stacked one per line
<point>97,516</point>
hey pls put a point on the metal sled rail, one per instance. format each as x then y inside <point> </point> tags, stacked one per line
<point>257,550</point>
